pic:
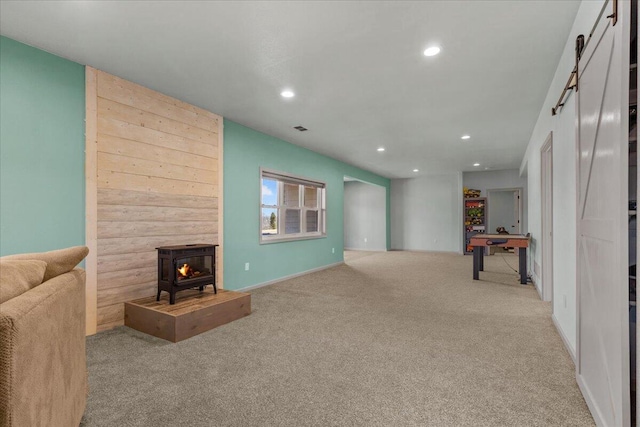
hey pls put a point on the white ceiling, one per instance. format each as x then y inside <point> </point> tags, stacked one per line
<point>357,68</point>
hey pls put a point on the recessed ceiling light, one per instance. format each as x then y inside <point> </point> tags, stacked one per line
<point>476,164</point>
<point>287,94</point>
<point>432,51</point>
<point>381,149</point>
<point>465,137</point>
<point>416,170</point>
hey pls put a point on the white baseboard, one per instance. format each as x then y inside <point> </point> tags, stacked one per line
<point>426,251</point>
<point>290,276</point>
<point>365,250</point>
<point>588,398</point>
<point>565,340</point>
<point>535,281</point>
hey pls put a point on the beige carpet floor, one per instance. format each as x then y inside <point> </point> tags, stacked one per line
<point>389,339</point>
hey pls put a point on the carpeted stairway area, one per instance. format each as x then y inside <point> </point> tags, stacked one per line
<point>389,339</point>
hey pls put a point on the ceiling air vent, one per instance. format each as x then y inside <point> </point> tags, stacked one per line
<point>300,128</point>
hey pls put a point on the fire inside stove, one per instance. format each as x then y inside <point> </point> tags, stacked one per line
<point>187,268</point>
<point>187,272</point>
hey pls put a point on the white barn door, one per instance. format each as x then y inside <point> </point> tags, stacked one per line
<point>602,368</point>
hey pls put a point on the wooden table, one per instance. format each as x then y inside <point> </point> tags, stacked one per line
<point>480,241</point>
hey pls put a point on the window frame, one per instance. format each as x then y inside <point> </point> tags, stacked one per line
<point>286,178</point>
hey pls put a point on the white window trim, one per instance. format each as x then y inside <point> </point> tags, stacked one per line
<point>294,179</point>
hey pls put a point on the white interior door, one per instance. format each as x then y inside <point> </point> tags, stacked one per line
<point>602,368</point>
<point>546,158</point>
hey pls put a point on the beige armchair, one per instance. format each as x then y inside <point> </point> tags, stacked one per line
<point>43,370</point>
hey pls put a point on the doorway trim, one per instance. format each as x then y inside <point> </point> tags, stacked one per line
<point>546,220</point>
<point>519,191</point>
<point>348,178</point>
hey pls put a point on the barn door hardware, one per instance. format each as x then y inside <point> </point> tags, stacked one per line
<point>581,44</point>
<point>579,49</point>
<point>572,83</point>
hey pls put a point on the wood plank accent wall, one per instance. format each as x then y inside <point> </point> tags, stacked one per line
<point>91,198</point>
<point>158,181</point>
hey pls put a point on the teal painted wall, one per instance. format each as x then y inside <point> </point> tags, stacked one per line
<point>245,151</point>
<point>42,205</point>
<point>41,150</point>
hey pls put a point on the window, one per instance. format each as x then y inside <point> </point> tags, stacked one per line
<point>291,207</point>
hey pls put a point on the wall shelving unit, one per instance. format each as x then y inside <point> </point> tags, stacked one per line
<point>474,220</point>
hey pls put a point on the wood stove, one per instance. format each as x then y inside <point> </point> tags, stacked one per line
<point>186,267</point>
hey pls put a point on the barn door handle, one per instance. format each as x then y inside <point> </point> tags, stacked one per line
<point>614,15</point>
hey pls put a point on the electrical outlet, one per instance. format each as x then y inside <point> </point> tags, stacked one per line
<point>365,240</point>
<point>246,266</point>
<point>333,250</point>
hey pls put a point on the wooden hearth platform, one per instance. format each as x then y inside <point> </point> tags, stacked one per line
<point>193,313</point>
